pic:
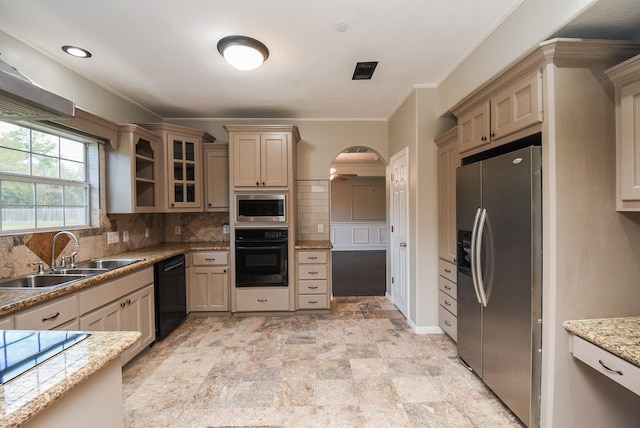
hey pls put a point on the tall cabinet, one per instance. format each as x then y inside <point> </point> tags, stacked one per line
<point>262,159</point>
<point>448,161</point>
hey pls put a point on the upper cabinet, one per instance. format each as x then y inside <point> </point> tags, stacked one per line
<point>134,181</point>
<point>183,167</point>
<point>626,77</point>
<point>216,169</point>
<point>517,107</point>
<point>262,156</point>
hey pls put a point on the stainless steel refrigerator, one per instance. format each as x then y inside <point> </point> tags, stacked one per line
<point>499,220</point>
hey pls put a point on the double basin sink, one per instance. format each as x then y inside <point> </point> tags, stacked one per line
<point>65,275</point>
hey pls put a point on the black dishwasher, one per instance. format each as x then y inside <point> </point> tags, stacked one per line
<point>170,294</point>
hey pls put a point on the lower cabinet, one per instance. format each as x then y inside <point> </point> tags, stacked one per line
<point>262,299</point>
<point>123,304</point>
<point>208,289</point>
<point>314,279</point>
<point>59,314</point>
<point>448,298</point>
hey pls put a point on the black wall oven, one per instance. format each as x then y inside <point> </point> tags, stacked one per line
<point>262,258</point>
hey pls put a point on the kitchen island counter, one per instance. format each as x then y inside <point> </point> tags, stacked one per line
<point>29,395</point>
<point>619,336</point>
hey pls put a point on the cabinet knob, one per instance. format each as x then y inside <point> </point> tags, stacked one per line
<point>123,304</point>
<point>483,138</point>
<point>257,183</point>
<point>209,204</point>
<point>493,134</point>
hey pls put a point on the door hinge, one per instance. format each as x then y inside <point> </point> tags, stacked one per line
<point>391,177</point>
<point>392,281</point>
<point>391,229</point>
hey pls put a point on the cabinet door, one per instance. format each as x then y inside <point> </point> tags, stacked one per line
<point>209,290</point>
<point>106,318</point>
<point>184,165</point>
<point>217,180</point>
<point>473,128</point>
<point>517,107</point>
<point>6,323</point>
<point>628,156</point>
<point>448,161</point>
<point>273,160</point>
<point>138,314</point>
<point>246,160</point>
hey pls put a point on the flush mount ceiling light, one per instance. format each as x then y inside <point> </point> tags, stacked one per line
<point>77,52</point>
<point>243,53</point>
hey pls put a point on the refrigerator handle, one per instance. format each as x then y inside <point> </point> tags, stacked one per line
<point>481,292</point>
<point>474,250</point>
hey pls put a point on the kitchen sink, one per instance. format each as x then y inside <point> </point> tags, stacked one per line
<point>39,281</point>
<point>107,264</point>
<point>77,271</point>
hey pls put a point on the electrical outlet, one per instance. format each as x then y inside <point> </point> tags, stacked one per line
<point>178,230</point>
<point>320,227</point>
<point>147,233</point>
<point>225,229</point>
<point>113,237</point>
<point>125,236</point>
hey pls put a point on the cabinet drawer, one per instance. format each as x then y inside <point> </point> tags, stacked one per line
<point>448,287</point>
<point>48,316</point>
<point>312,272</point>
<point>262,300</point>
<point>447,269</point>
<point>311,301</point>
<point>448,322</point>
<point>210,258</point>
<point>448,302</point>
<point>619,370</point>
<point>312,257</point>
<point>109,291</point>
<point>310,286</point>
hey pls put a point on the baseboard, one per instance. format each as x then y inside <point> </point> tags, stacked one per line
<point>429,329</point>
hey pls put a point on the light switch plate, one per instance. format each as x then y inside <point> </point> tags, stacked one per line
<point>113,237</point>
<point>225,229</point>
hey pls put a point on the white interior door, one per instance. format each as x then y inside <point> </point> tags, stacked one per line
<point>399,217</point>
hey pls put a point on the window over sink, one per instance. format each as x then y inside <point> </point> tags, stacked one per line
<point>45,181</point>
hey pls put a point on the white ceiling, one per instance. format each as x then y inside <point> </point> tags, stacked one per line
<point>161,54</point>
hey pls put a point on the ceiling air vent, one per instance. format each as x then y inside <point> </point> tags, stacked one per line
<point>364,70</point>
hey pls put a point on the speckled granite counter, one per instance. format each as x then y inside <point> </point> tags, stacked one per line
<point>313,245</point>
<point>35,390</point>
<point>19,299</point>
<point>620,336</point>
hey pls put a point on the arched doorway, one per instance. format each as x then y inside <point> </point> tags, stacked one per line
<point>358,218</point>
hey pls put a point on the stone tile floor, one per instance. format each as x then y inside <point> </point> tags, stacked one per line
<point>358,366</point>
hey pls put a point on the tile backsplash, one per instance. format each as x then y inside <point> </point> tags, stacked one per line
<point>313,210</point>
<point>19,252</point>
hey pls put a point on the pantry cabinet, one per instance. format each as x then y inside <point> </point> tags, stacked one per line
<point>183,167</point>
<point>216,169</point>
<point>209,282</point>
<point>626,77</point>
<point>134,181</point>
<point>448,162</point>
<point>517,107</point>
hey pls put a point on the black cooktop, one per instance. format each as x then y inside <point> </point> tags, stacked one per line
<point>21,350</point>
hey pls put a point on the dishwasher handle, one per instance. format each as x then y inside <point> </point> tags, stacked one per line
<point>173,266</point>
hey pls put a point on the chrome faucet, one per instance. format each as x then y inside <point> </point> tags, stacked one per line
<point>53,245</point>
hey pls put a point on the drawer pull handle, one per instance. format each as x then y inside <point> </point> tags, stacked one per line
<point>52,317</point>
<point>312,258</point>
<point>447,287</point>
<point>447,270</point>
<point>313,287</point>
<point>262,300</point>
<point>313,273</point>
<point>313,302</point>
<point>446,302</point>
<point>447,323</point>
<point>211,259</point>
<point>609,368</point>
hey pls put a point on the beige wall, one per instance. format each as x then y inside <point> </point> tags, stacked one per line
<point>358,199</point>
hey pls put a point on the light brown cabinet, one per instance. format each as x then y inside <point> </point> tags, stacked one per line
<point>209,282</point>
<point>314,279</point>
<point>216,169</point>
<point>49,316</point>
<point>515,108</point>
<point>261,160</point>
<point>134,181</point>
<point>183,168</point>
<point>448,162</point>
<point>626,77</point>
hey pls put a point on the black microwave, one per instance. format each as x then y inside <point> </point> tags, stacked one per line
<point>262,207</point>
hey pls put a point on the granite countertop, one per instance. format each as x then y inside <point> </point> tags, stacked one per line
<point>313,245</point>
<point>620,336</point>
<point>33,391</point>
<point>18,299</point>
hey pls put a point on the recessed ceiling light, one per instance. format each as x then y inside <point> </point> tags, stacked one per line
<point>243,53</point>
<point>342,27</point>
<point>76,51</point>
